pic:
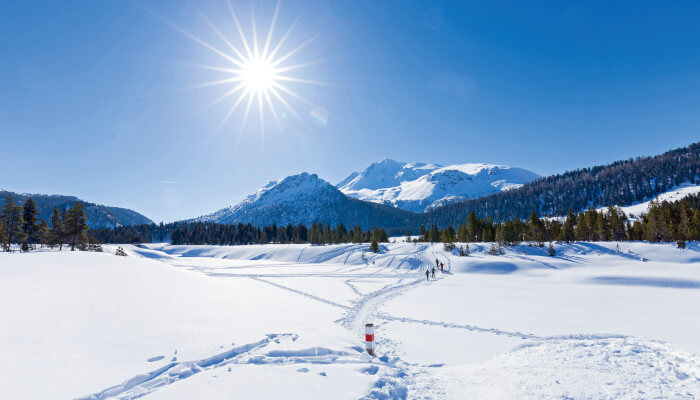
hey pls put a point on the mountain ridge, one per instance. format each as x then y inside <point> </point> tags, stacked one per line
<point>306,199</point>
<point>98,215</point>
<point>420,187</point>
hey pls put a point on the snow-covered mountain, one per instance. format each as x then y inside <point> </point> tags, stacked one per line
<point>419,187</point>
<point>98,216</point>
<point>306,199</point>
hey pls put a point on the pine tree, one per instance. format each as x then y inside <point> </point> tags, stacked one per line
<point>357,236</point>
<point>592,223</point>
<point>637,231</point>
<point>472,227</point>
<point>42,232</point>
<point>582,228</point>
<point>434,235</point>
<point>263,238</point>
<point>75,226</point>
<point>3,236</point>
<point>462,233</point>
<point>448,235</point>
<point>423,234</point>
<point>374,247</point>
<point>55,234</point>
<point>30,227</point>
<point>535,230</point>
<point>602,227</point>
<point>488,230</point>
<point>11,215</point>
<point>695,225</point>
<point>567,233</point>
<point>617,224</point>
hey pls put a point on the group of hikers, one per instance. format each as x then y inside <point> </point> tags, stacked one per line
<point>439,265</point>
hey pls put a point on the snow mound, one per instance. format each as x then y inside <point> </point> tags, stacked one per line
<point>580,368</point>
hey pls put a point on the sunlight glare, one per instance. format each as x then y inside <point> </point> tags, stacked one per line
<point>258,75</point>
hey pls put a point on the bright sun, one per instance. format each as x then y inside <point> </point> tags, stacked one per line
<point>256,72</point>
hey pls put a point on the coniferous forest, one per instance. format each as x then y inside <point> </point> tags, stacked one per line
<point>19,224</point>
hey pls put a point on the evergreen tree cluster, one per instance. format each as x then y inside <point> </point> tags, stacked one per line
<point>212,233</point>
<point>664,222</point>
<point>134,234</point>
<point>19,224</point>
<point>235,234</point>
<point>620,183</point>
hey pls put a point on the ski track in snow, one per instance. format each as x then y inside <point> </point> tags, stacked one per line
<point>309,295</point>
<point>396,378</point>
<point>142,384</point>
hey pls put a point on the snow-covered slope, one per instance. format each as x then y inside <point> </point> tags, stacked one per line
<point>306,199</point>
<point>596,321</point>
<point>637,210</point>
<point>419,187</point>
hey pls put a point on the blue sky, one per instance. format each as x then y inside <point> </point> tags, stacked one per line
<point>90,106</point>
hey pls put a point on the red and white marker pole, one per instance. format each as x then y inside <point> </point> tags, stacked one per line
<point>369,338</point>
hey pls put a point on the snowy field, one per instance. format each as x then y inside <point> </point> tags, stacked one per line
<point>286,321</point>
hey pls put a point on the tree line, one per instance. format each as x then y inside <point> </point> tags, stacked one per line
<point>198,233</point>
<point>677,221</point>
<point>19,224</point>
<point>213,233</point>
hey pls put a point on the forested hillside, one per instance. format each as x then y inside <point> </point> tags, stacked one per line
<point>98,216</point>
<point>620,183</point>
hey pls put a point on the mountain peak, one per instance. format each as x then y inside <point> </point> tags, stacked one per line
<point>304,199</point>
<point>385,173</point>
<point>421,186</point>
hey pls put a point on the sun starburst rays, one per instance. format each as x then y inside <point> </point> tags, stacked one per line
<point>257,70</point>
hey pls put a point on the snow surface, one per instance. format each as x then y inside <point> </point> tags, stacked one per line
<point>635,211</point>
<point>419,187</point>
<point>286,321</point>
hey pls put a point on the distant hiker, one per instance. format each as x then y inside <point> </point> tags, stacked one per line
<point>427,274</point>
<point>433,272</point>
<point>437,262</point>
<point>442,266</point>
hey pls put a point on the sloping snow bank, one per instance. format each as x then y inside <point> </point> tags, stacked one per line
<point>579,368</point>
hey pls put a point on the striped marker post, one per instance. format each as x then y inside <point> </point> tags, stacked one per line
<point>369,338</point>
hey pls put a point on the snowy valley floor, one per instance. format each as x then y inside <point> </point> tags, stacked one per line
<point>286,321</point>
